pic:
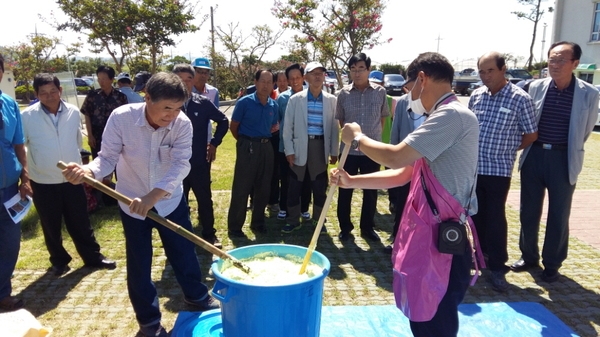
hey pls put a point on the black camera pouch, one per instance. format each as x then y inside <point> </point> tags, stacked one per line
<point>452,238</point>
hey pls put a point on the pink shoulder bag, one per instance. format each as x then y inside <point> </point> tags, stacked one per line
<point>421,272</point>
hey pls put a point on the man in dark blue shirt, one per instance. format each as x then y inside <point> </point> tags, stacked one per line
<point>200,110</point>
<point>253,119</point>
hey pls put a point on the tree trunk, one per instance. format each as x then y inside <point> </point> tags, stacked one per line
<point>535,23</point>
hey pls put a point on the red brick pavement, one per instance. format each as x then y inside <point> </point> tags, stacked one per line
<point>585,214</point>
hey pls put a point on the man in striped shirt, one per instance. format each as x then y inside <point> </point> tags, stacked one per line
<point>506,124</point>
<point>364,103</point>
<point>152,144</point>
<point>311,141</point>
<point>566,111</point>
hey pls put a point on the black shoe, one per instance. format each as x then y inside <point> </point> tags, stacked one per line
<point>103,264</point>
<point>370,234</point>
<point>388,249</point>
<point>259,229</point>
<point>521,265</point>
<point>59,270</point>
<point>208,303</point>
<point>213,240</point>
<point>345,236</point>
<point>152,331</point>
<point>550,275</point>
<point>498,281</point>
<point>236,233</point>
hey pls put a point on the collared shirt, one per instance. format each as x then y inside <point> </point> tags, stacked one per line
<point>282,101</point>
<point>147,158</point>
<point>366,107</point>
<point>209,92</point>
<point>556,114</point>
<point>132,96</point>
<point>11,133</point>
<point>98,106</point>
<point>503,119</point>
<point>315,114</point>
<point>52,116</point>
<point>255,118</point>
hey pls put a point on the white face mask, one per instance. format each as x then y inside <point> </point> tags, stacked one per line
<point>415,105</point>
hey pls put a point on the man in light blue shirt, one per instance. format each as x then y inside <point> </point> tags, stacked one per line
<point>124,84</point>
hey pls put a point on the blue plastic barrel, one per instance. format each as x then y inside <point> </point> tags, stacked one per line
<point>292,310</point>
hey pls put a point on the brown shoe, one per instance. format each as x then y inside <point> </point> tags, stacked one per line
<point>11,303</point>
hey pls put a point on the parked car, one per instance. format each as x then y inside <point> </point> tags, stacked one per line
<point>517,74</point>
<point>598,120</point>
<point>331,81</point>
<point>393,84</point>
<point>473,86</point>
<point>83,86</point>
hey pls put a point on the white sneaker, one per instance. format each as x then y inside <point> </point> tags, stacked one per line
<point>305,216</point>
<point>281,215</point>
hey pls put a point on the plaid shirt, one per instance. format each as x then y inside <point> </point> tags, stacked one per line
<point>98,106</point>
<point>366,108</point>
<point>503,119</point>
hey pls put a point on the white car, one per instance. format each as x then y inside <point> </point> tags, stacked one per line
<point>598,119</point>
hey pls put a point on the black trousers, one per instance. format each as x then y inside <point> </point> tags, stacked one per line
<point>354,165</point>
<point>198,180</point>
<point>399,196</point>
<point>54,202</point>
<point>276,176</point>
<point>253,170</point>
<point>490,220</point>
<point>545,170</point>
<point>445,321</point>
<point>284,168</point>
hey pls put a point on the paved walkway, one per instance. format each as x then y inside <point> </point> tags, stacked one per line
<point>585,214</point>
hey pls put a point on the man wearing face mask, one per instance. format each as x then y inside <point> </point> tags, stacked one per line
<point>364,103</point>
<point>445,145</point>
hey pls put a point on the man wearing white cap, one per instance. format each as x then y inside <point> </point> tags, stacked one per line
<point>124,84</point>
<point>202,68</point>
<point>311,141</point>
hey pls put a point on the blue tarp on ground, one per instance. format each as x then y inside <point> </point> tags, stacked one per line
<point>519,319</point>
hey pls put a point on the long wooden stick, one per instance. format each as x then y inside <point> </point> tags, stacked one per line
<point>163,221</point>
<point>315,237</point>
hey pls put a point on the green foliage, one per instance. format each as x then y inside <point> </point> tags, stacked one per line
<point>176,60</point>
<point>86,66</point>
<point>119,27</point>
<point>83,90</point>
<point>336,30</point>
<point>24,92</point>
<point>389,68</point>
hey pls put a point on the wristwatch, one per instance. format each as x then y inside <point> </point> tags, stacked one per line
<point>356,142</point>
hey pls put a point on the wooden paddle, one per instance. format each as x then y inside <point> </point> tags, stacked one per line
<point>315,237</point>
<point>163,221</point>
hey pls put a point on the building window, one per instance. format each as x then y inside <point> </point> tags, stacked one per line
<point>596,25</point>
<point>588,77</point>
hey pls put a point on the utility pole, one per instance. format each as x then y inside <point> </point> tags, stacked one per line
<point>543,42</point>
<point>212,51</point>
<point>438,43</point>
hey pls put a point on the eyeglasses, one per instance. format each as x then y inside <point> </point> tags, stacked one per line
<point>559,62</point>
<point>358,71</point>
<point>407,82</point>
<point>202,72</point>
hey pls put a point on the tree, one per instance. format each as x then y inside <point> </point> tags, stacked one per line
<point>159,20</point>
<point>29,59</point>
<point>336,29</point>
<point>117,26</point>
<point>534,15</point>
<point>176,60</point>
<point>108,26</point>
<point>389,68</point>
<point>246,52</point>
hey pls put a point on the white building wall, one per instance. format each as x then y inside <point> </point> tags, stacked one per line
<point>573,21</point>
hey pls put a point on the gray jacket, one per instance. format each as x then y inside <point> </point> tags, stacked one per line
<point>402,124</point>
<point>584,113</point>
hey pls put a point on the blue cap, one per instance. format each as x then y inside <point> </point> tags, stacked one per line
<point>201,62</point>
<point>376,76</point>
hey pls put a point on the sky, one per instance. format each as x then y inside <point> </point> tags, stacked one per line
<point>466,28</point>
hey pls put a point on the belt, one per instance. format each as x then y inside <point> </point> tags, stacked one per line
<point>256,139</point>
<point>316,137</point>
<point>550,146</point>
